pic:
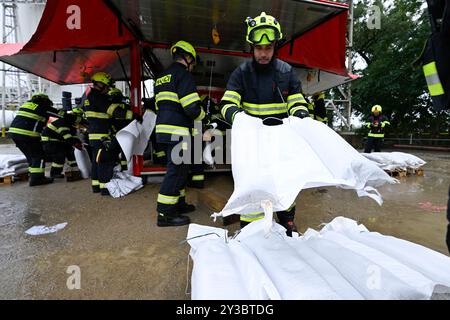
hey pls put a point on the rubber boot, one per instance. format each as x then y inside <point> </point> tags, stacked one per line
<point>200,184</point>
<point>56,173</point>
<point>96,189</point>
<point>167,220</point>
<point>74,175</point>
<point>39,180</point>
<point>185,208</point>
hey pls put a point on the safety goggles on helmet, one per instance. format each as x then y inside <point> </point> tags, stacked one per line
<point>263,35</point>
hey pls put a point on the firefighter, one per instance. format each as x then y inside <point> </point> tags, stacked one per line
<point>100,111</point>
<point>178,105</point>
<point>120,123</point>
<point>267,88</point>
<point>26,130</point>
<point>58,140</point>
<point>376,124</point>
<point>320,112</point>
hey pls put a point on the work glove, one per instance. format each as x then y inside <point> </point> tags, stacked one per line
<point>301,114</point>
<point>76,143</point>
<point>138,117</point>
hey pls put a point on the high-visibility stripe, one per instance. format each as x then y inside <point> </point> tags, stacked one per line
<point>321,119</point>
<point>67,136</point>
<point>253,216</point>
<point>112,108</point>
<point>45,139</point>
<point>295,98</point>
<point>95,183</point>
<point>24,132</point>
<point>295,109</point>
<point>171,200</point>
<point>30,115</point>
<point>265,109</point>
<point>436,89</point>
<point>97,158</point>
<point>376,135</point>
<point>201,115</point>
<point>97,136</point>
<point>98,115</point>
<point>320,96</point>
<point>129,115</point>
<point>159,154</point>
<point>36,170</point>
<point>71,163</point>
<point>433,81</point>
<point>169,129</point>
<point>233,115</point>
<point>56,129</point>
<point>166,95</point>
<point>384,123</point>
<point>57,165</point>
<point>182,193</point>
<point>232,96</point>
<point>29,105</point>
<point>124,162</point>
<point>102,185</point>
<point>190,98</point>
<point>198,177</point>
<point>225,109</point>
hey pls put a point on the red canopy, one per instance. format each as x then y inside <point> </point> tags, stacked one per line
<point>66,50</point>
<point>63,53</point>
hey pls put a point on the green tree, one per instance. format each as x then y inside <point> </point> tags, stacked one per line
<point>389,77</point>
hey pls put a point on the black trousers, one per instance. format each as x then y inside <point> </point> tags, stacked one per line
<point>32,149</point>
<point>102,171</point>
<point>373,143</point>
<point>58,152</point>
<point>172,193</point>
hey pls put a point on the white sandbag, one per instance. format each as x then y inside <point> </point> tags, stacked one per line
<point>133,139</point>
<point>123,184</point>
<point>8,160</point>
<point>342,261</point>
<point>9,117</point>
<point>395,160</point>
<point>276,162</point>
<point>213,275</point>
<point>83,162</point>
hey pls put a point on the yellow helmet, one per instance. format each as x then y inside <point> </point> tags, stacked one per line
<point>41,98</point>
<point>376,108</point>
<point>185,47</point>
<point>115,92</point>
<point>263,29</point>
<point>102,77</point>
<point>78,111</point>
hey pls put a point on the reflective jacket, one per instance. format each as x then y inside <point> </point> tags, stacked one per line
<point>100,112</point>
<point>177,103</point>
<point>271,91</point>
<point>376,125</point>
<point>320,111</point>
<point>31,119</point>
<point>59,131</point>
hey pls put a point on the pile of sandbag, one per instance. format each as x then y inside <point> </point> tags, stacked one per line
<point>391,161</point>
<point>12,164</point>
<point>341,261</point>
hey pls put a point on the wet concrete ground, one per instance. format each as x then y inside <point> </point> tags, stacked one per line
<point>121,254</point>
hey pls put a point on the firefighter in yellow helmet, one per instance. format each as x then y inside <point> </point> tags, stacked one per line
<point>377,122</point>
<point>267,88</point>
<point>26,130</point>
<point>178,105</point>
